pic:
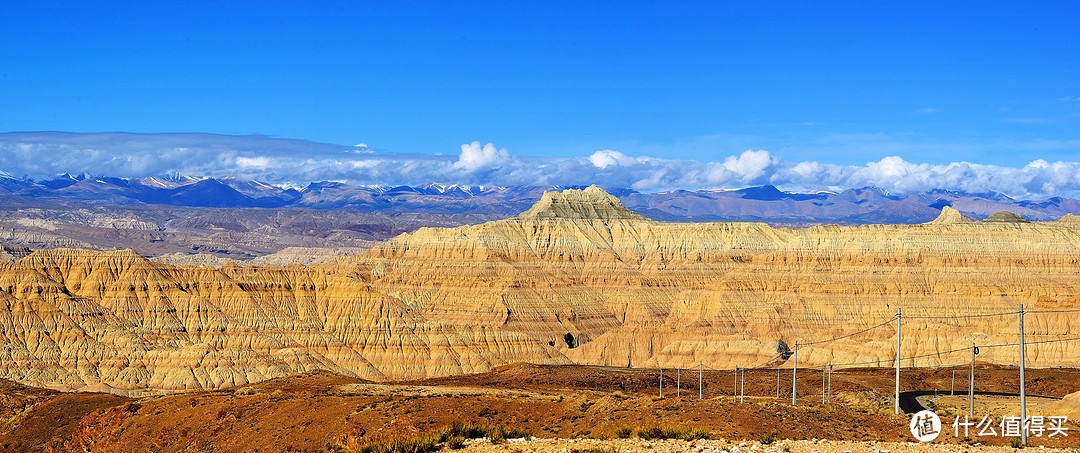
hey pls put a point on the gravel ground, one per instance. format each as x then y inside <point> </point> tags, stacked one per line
<point>718,446</point>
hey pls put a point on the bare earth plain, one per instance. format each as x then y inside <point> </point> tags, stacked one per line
<point>564,407</point>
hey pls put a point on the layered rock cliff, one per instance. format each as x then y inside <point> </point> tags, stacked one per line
<point>576,279</point>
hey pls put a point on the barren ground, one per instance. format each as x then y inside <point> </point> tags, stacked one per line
<point>568,408</point>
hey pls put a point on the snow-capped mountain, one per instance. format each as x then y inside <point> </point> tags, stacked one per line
<point>763,203</point>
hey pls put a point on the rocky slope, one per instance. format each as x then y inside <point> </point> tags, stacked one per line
<point>576,279</point>
<point>208,236</point>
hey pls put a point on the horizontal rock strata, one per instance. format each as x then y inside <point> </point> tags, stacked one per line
<point>576,279</point>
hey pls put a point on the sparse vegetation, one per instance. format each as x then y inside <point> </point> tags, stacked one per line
<point>422,444</point>
<point>624,432</point>
<point>666,432</point>
<point>1015,443</point>
<point>452,437</point>
<point>767,439</point>
<point>496,433</point>
<point>372,448</point>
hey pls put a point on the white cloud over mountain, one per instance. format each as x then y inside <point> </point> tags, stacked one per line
<point>43,155</point>
<point>475,157</point>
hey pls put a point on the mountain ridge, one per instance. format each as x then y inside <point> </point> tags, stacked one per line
<point>763,203</point>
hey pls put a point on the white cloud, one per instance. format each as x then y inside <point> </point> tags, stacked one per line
<point>750,165</point>
<point>43,155</point>
<point>474,157</point>
<point>361,164</point>
<point>1038,164</point>
<point>260,162</point>
<point>606,158</point>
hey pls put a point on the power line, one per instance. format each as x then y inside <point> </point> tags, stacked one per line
<point>851,334</point>
<point>940,353</point>
<point>1060,340</point>
<point>902,358</point>
<point>987,315</point>
<point>936,353</point>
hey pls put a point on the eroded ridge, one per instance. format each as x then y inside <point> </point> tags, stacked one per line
<point>578,278</point>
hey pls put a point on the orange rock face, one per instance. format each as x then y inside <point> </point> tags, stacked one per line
<point>576,279</point>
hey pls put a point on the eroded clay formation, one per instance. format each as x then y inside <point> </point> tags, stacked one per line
<point>576,279</point>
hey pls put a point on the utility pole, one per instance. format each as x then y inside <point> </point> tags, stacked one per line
<point>823,368</point>
<point>896,394</point>
<point>735,390</point>
<point>678,381</point>
<point>794,372</point>
<point>971,383</point>
<point>1023,396</point>
<point>829,399</point>
<point>699,380</point>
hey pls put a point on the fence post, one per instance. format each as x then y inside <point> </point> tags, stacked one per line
<point>678,381</point>
<point>699,379</point>
<point>661,382</point>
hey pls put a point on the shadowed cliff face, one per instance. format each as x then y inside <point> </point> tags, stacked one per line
<point>577,278</point>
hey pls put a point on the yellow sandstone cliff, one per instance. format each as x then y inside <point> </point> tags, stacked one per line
<point>578,278</point>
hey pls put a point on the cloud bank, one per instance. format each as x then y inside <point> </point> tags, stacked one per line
<point>46,154</point>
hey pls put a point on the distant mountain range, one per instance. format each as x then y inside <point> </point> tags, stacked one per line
<point>850,207</point>
<point>765,203</point>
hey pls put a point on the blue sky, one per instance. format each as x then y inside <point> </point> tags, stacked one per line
<point>840,83</point>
